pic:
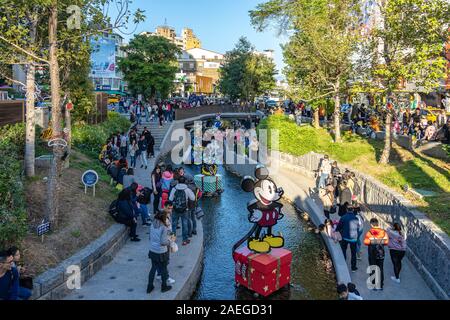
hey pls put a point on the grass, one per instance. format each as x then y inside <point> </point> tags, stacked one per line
<point>416,170</point>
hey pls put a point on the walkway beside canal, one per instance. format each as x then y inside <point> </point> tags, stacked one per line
<point>298,187</point>
<point>126,277</point>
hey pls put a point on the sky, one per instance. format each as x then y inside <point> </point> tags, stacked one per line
<point>217,23</point>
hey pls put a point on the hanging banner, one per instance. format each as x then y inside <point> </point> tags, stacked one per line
<point>103,58</point>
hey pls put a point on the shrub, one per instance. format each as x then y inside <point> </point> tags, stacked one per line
<point>13,216</point>
<point>91,138</point>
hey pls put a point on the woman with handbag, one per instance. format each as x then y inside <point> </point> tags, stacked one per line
<point>160,241</point>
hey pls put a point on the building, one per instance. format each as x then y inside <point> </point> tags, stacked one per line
<point>269,53</point>
<point>105,75</point>
<point>198,68</point>
<point>187,40</point>
<point>190,41</point>
<point>202,69</point>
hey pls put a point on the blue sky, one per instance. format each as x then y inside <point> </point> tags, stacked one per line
<point>218,23</point>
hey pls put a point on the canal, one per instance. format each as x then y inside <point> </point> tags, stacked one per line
<point>225,222</point>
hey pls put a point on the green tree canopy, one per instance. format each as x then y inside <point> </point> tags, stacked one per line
<point>150,65</point>
<point>318,56</point>
<point>245,74</point>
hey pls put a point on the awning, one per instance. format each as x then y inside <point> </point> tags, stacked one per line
<point>112,92</point>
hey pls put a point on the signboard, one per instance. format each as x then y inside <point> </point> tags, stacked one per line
<point>103,58</point>
<point>89,179</point>
<point>43,228</point>
<point>69,106</point>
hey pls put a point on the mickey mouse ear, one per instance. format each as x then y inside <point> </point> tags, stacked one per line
<point>248,184</point>
<point>261,172</point>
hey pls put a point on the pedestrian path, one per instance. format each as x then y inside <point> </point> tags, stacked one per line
<point>412,287</point>
<point>126,277</point>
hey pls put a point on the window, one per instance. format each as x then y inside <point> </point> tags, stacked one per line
<point>116,83</point>
<point>181,65</point>
<point>191,65</point>
<point>203,57</point>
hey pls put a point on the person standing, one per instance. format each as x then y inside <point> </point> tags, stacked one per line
<point>397,249</point>
<point>349,227</point>
<point>134,148</point>
<point>150,145</point>
<point>326,195</point>
<point>123,145</point>
<point>147,110</point>
<point>143,151</point>
<point>138,113</point>
<point>157,190</point>
<point>324,171</point>
<point>160,115</point>
<point>375,240</point>
<point>160,241</point>
<point>180,196</point>
<point>345,197</point>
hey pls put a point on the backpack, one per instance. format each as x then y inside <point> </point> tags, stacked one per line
<point>379,250</point>
<point>146,196</point>
<point>114,210</point>
<point>353,229</point>
<point>179,201</point>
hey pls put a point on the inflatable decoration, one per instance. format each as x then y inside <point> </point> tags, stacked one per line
<point>209,182</point>
<point>262,266</point>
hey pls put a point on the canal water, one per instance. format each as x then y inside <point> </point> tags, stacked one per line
<point>225,222</point>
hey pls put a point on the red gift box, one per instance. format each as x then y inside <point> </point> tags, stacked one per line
<point>263,273</point>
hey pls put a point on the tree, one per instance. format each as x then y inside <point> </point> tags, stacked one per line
<point>318,55</point>
<point>58,46</point>
<point>406,44</point>
<point>245,74</point>
<point>150,65</point>
<point>19,44</point>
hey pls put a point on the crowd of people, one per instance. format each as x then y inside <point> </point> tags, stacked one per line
<point>175,197</point>
<point>14,284</point>
<point>340,194</point>
<point>368,120</point>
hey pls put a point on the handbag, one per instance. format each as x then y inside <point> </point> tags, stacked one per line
<point>199,213</point>
<point>173,247</point>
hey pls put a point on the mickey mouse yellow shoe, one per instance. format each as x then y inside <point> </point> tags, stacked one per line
<point>258,246</point>
<point>273,241</point>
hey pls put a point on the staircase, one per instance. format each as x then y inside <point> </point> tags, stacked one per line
<point>157,132</point>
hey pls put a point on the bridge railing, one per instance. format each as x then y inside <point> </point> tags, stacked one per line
<point>181,114</point>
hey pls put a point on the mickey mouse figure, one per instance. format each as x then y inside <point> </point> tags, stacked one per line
<point>264,211</point>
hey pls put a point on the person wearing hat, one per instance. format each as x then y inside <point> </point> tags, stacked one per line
<point>349,226</point>
<point>166,184</point>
